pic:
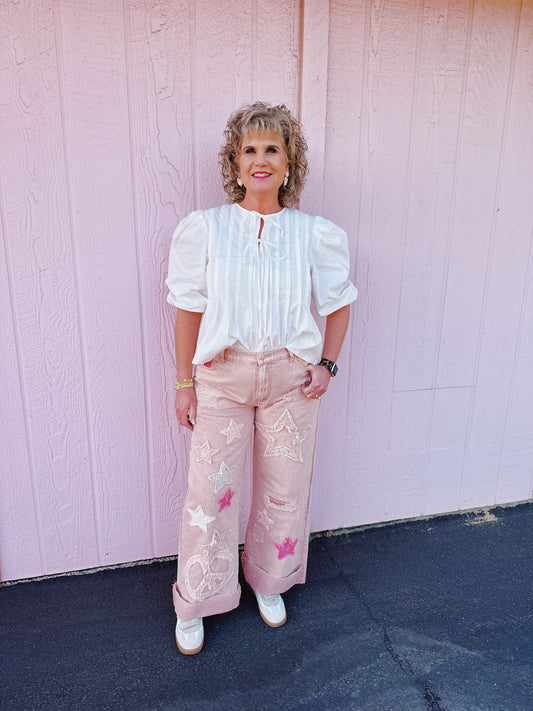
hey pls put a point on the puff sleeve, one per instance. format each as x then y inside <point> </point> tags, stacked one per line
<point>186,280</point>
<point>330,266</point>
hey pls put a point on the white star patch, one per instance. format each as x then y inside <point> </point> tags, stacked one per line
<point>264,519</point>
<point>205,453</point>
<point>284,437</point>
<point>199,518</point>
<point>217,544</point>
<point>223,476</point>
<point>232,431</point>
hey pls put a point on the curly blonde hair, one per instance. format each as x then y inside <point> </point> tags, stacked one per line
<point>264,117</point>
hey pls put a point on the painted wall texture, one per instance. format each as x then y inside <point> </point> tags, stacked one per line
<point>419,120</point>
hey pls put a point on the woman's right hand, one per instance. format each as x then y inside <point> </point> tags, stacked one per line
<point>185,405</point>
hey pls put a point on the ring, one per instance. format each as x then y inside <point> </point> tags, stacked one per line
<point>316,397</point>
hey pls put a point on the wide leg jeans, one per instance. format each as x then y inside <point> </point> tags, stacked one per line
<point>246,400</point>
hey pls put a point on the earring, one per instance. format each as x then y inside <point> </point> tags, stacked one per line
<point>239,182</point>
<point>286,179</point>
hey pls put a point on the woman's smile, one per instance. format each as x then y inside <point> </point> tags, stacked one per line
<point>262,166</point>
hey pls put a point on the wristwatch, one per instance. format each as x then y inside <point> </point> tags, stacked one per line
<point>330,365</point>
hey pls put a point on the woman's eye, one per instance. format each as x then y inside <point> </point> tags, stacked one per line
<point>249,150</point>
<point>272,149</point>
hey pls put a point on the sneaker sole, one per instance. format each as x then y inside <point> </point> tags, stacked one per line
<point>267,622</point>
<point>272,624</point>
<point>188,651</point>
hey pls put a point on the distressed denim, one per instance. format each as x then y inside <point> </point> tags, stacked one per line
<point>246,400</point>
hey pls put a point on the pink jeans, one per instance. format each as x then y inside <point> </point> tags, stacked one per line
<point>246,399</point>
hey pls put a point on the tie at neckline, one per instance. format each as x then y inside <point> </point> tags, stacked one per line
<point>253,246</point>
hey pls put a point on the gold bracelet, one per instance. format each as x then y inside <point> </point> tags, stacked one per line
<point>189,383</point>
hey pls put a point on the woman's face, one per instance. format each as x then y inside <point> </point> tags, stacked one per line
<point>262,163</point>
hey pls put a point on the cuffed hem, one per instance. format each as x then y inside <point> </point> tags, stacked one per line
<point>348,297</point>
<point>214,606</point>
<point>266,583</point>
<point>197,307</point>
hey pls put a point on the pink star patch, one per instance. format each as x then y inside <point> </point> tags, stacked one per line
<point>285,548</point>
<point>225,500</point>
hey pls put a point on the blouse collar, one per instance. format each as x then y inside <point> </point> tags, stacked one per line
<point>270,216</point>
<point>275,251</point>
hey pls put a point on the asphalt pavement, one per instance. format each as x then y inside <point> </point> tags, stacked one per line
<point>426,615</point>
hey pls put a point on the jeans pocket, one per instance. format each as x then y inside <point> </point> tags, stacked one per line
<point>302,376</point>
<point>296,359</point>
<point>214,363</point>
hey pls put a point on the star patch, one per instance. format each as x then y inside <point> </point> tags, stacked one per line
<point>225,500</point>
<point>264,519</point>
<point>223,476</point>
<point>216,545</point>
<point>286,548</point>
<point>199,518</point>
<point>205,453</point>
<point>232,431</point>
<point>284,437</point>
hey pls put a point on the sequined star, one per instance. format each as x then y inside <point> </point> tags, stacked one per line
<point>225,500</point>
<point>264,519</point>
<point>217,543</point>
<point>281,444</point>
<point>205,453</point>
<point>223,476</point>
<point>286,548</point>
<point>232,431</point>
<point>199,518</point>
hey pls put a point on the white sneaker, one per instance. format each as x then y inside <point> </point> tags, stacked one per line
<point>190,635</point>
<point>271,609</point>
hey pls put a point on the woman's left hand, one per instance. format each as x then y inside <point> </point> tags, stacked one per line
<point>318,381</point>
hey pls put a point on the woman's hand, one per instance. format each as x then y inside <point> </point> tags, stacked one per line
<point>185,405</point>
<point>317,383</point>
<point>319,375</point>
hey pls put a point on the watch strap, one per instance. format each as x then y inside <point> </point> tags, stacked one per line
<point>330,365</point>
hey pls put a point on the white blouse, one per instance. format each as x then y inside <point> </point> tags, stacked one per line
<point>256,294</point>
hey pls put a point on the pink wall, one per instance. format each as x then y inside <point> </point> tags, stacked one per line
<point>418,116</point>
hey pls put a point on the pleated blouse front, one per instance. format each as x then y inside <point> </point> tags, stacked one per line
<point>256,294</point>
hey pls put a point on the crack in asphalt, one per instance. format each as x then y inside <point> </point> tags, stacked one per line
<point>430,697</point>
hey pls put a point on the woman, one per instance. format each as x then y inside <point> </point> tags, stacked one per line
<point>242,277</point>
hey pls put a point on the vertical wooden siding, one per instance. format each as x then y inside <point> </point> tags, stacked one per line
<point>418,116</point>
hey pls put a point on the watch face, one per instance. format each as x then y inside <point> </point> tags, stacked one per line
<point>333,369</point>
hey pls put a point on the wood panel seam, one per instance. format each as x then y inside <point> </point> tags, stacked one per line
<point>140,291</point>
<point>490,255</point>
<point>75,271</point>
<point>23,391</point>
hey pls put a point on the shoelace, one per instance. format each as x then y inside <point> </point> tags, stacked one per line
<point>270,600</point>
<point>190,626</point>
